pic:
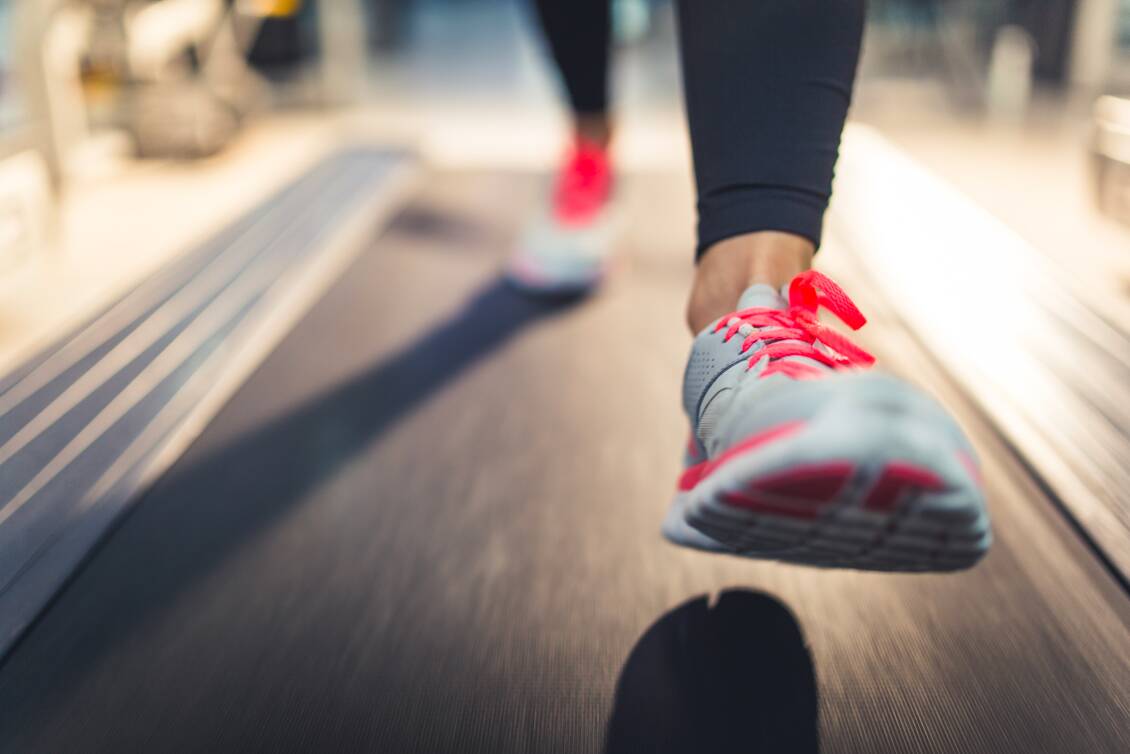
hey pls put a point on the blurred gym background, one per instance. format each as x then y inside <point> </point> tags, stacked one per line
<point>183,185</point>
<point>104,101</point>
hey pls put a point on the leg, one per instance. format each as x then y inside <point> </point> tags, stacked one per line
<point>579,35</point>
<point>565,248</point>
<point>768,85</point>
<point>797,451</point>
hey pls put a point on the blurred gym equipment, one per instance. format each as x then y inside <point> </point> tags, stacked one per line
<point>1110,157</point>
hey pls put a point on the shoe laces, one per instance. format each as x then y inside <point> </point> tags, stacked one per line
<point>583,184</point>
<point>797,330</point>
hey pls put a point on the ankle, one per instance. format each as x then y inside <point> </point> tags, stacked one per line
<point>593,128</point>
<point>729,267</point>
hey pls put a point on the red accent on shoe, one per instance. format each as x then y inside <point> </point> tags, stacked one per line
<point>797,331</point>
<point>584,184</point>
<point>817,483</point>
<point>898,480</point>
<point>800,492</point>
<point>695,474</point>
<point>692,447</point>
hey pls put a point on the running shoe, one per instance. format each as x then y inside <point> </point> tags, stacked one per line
<point>800,453</point>
<point>565,248</point>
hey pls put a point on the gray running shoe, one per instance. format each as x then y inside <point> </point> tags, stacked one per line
<point>798,453</point>
<point>565,249</point>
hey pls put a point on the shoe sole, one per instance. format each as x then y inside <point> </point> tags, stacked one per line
<point>526,273</point>
<point>543,287</point>
<point>875,486</point>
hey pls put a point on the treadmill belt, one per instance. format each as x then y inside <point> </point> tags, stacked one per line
<point>429,523</point>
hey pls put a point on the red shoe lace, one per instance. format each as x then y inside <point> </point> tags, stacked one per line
<point>583,185</point>
<point>797,331</point>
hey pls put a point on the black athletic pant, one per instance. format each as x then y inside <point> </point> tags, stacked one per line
<point>767,86</point>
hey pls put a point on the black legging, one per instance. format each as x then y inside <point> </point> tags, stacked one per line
<point>767,87</point>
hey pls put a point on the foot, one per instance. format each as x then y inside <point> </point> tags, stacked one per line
<point>800,454</point>
<point>565,249</point>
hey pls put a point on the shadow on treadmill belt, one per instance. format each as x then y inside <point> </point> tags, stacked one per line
<point>733,676</point>
<point>302,448</point>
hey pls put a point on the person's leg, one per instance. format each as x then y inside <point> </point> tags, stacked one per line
<point>798,451</point>
<point>579,35</point>
<point>768,86</point>
<point>566,246</point>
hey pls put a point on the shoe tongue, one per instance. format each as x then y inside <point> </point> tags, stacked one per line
<point>764,296</point>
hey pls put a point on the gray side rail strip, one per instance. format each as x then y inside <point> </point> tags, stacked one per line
<point>93,419</point>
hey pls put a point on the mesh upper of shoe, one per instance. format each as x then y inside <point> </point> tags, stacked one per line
<point>768,336</point>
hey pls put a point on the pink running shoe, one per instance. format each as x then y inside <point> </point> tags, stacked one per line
<point>801,453</point>
<point>565,248</point>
